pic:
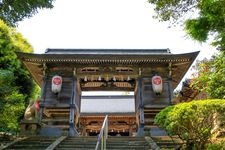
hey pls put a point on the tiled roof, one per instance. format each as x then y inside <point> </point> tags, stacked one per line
<point>108,51</point>
<point>179,63</point>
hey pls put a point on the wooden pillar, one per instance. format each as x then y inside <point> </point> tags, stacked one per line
<point>43,93</point>
<point>72,128</point>
<point>141,108</point>
<point>84,132</point>
<point>130,127</point>
<point>170,84</point>
<point>170,91</point>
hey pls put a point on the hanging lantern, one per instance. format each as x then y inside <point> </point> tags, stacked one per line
<point>56,84</point>
<point>157,84</point>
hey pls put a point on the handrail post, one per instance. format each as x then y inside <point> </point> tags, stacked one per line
<point>103,135</point>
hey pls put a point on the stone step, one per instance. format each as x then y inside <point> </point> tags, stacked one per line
<point>112,143</point>
<point>81,140</point>
<point>37,142</point>
<point>29,148</point>
<point>127,138</point>
<point>39,139</point>
<point>31,145</point>
<point>109,146</point>
<point>111,138</point>
<point>127,147</point>
<point>149,116</point>
<point>60,122</point>
<point>49,104</point>
<point>167,141</point>
<point>151,110</point>
<point>4,142</point>
<point>57,126</point>
<point>107,149</point>
<point>148,127</point>
<point>55,120</point>
<point>149,121</point>
<point>66,143</point>
<point>82,143</point>
<point>73,148</point>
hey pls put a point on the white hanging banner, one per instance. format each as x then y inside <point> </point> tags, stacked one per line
<point>56,84</point>
<point>157,84</point>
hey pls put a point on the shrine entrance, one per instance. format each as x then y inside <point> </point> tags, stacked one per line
<point>119,106</point>
<point>63,74</point>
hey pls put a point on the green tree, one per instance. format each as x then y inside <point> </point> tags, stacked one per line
<point>210,19</point>
<point>210,22</point>
<point>11,102</point>
<point>13,11</point>
<point>16,84</point>
<point>210,77</point>
<point>194,121</point>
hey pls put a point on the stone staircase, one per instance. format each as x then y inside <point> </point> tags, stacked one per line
<point>168,142</point>
<point>56,121</point>
<point>149,114</point>
<point>128,143</point>
<point>159,136</point>
<point>79,143</point>
<point>31,143</point>
<point>113,143</point>
<point>5,139</point>
<point>57,109</point>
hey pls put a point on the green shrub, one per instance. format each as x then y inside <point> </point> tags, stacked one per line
<point>216,146</point>
<point>193,121</point>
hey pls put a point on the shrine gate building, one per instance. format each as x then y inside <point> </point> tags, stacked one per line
<point>63,74</point>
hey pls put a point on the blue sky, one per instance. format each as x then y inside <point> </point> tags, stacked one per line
<point>105,24</point>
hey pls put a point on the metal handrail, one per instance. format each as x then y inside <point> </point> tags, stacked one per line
<point>103,135</point>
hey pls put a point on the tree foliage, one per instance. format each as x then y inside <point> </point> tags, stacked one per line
<point>194,121</point>
<point>210,19</point>
<point>13,11</point>
<point>16,85</point>
<point>216,146</point>
<point>172,9</point>
<point>209,76</point>
<point>209,22</point>
<point>11,102</point>
<point>11,42</point>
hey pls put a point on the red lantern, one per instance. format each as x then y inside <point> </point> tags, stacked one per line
<point>56,84</point>
<point>157,84</point>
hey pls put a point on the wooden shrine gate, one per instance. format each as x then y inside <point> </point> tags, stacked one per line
<point>63,74</point>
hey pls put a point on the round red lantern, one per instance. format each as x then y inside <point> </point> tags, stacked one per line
<point>157,84</point>
<point>56,84</point>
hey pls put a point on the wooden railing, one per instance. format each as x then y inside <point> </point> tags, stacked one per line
<point>103,135</point>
